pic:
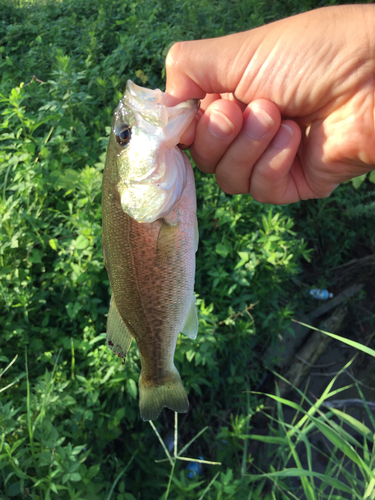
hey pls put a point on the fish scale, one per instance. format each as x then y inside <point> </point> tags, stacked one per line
<point>149,246</point>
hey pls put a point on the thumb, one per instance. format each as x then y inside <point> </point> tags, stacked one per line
<point>212,66</point>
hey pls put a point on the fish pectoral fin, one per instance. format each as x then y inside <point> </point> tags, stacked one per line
<point>166,243</point>
<point>118,335</point>
<point>196,234</point>
<point>191,324</point>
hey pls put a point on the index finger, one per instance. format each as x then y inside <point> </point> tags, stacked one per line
<point>212,66</point>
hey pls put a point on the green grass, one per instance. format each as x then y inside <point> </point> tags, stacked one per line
<point>348,451</point>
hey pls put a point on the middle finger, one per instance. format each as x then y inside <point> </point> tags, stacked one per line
<point>261,122</point>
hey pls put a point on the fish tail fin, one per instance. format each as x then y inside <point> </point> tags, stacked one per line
<point>171,393</point>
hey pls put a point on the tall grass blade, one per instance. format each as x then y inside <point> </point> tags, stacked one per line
<point>28,406</point>
<point>335,438</point>
<point>162,443</point>
<point>354,423</point>
<point>120,476</point>
<point>192,440</point>
<point>9,365</point>
<point>369,413</point>
<point>299,472</point>
<point>209,486</point>
<point>351,343</point>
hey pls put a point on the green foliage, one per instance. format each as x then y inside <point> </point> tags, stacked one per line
<point>69,420</point>
<point>348,448</point>
<point>358,181</point>
<point>337,228</point>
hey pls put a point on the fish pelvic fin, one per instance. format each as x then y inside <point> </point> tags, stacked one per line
<point>153,398</point>
<point>118,335</point>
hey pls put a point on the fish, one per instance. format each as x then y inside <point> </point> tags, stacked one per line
<point>150,237</point>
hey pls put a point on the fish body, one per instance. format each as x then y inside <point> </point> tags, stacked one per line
<point>150,237</point>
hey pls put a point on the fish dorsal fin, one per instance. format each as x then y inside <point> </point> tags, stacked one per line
<point>166,243</point>
<point>118,335</point>
<point>191,324</point>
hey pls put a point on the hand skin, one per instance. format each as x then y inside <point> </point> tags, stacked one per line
<point>303,88</point>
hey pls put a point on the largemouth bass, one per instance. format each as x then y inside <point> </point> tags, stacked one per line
<point>150,236</point>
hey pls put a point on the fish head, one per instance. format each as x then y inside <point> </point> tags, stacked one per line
<point>150,167</point>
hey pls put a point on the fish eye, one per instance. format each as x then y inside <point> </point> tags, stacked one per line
<point>123,134</point>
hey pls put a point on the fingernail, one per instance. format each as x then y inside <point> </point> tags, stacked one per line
<point>258,123</point>
<point>219,125</point>
<point>282,138</point>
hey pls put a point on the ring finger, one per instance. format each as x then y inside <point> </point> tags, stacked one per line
<point>261,122</point>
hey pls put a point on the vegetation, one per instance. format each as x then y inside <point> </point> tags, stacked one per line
<point>69,420</point>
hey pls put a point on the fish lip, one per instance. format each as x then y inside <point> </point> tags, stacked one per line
<point>156,96</point>
<point>137,98</point>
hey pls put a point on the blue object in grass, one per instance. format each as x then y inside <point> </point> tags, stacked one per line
<point>194,469</point>
<point>319,294</point>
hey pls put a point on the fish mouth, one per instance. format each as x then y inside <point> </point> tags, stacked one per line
<point>144,96</point>
<point>147,106</point>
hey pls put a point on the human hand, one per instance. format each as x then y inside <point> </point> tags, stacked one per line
<point>287,109</point>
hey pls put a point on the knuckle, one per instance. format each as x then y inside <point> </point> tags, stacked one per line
<point>224,186</point>
<point>202,158</point>
<point>172,56</point>
<point>261,198</point>
<point>204,165</point>
<point>226,189</point>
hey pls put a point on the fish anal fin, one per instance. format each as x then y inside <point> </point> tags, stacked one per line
<point>153,398</point>
<point>166,243</point>
<point>191,324</point>
<point>118,335</point>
